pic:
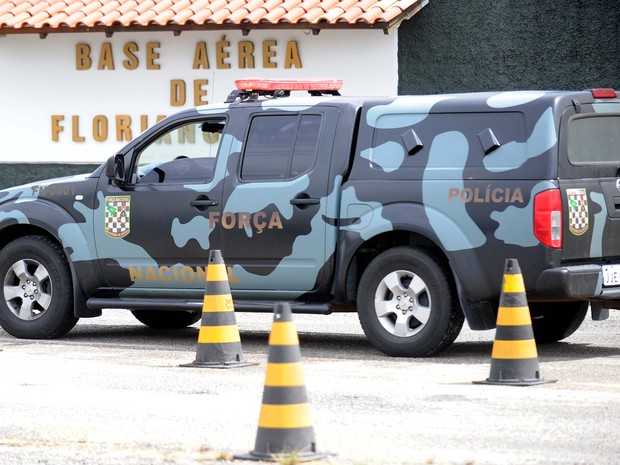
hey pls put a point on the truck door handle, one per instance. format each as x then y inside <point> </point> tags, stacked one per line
<point>203,202</point>
<point>303,201</point>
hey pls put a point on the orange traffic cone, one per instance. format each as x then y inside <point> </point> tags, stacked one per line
<point>514,360</point>
<point>219,343</point>
<point>285,424</point>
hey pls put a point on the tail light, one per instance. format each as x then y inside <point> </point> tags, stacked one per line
<point>548,218</point>
<point>604,93</point>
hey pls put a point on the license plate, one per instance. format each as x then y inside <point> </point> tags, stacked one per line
<point>611,275</point>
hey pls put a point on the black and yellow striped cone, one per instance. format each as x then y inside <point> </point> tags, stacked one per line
<point>285,424</point>
<point>514,359</point>
<point>219,342</point>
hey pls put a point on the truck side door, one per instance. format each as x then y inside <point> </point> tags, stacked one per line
<point>152,234</point>
<point>275,223</point>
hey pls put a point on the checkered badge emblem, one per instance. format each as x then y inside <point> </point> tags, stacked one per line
<point>577,211</point>
<point>117,216</point>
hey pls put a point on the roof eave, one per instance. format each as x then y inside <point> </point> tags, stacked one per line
<point>177,29</point>
<point>406,15</point>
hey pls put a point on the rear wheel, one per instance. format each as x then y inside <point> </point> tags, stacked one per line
<point>164,319</point>
<point>554,321</point>
<point>407,305</point>
<point>37,292</point>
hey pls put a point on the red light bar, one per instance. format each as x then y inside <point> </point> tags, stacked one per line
<point>253,84</point>
<point>603,93</point>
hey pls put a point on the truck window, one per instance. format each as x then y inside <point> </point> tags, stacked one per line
<point>184,154</point>
<point>280,147</point>
<point>594,139</point>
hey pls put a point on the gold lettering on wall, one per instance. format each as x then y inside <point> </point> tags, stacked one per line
<point>246,54</point>
<point>75,129</point>
<point>56,126</point>
<point>82,57</point>
<point>291,57</point>
<point>201,59</point>
<point>106,57</point>
<point>177,92</point>
<point>100,127</point>
<point>134,56</point>
<point>152,54</point>
<point>246,59</point>
<point>132,61</point>
<point>200,92</point>
<point>123,128</point>
<point>222,54</point>
<point>269,53</point>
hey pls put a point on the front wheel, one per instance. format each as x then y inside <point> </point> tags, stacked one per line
<point>37,293</point>
<point>407,305</point>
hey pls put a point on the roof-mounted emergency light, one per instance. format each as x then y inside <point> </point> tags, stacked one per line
<point>257,84</point>
<point>604,93</point>
<point>251,88</point>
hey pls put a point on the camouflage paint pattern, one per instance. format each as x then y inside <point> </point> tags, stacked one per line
<point>455,173</point>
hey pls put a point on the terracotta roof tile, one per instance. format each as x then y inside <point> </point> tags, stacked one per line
<point>180,6</point>
<point>234,5</point>
<point>145,17</point>
<point>275,15</point>
<point>242,13</point>
<point>144,6</point>
<point>164,17</point>
<point>20,7</point>
<point>49,16</point>
<point>127,6</point>
<point>333,10</point>
<point>111,17</point>
<point>20,18</point>
<point>371,15</point>
<point>311,15</point>
<point>259,13</point>
<point>73,19</point>
<point>162,6</point>
<point>74,7</point>
<point>181,16</point>
<point>5,8</point>
<point>200,17</point>
<point>198,5</point>
<point>388,15</point>
<point>40,17</point>
<point>128,18</point>
<point>293,15</point>
<point>93,18</point>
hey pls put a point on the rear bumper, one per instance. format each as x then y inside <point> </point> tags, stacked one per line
<point>578,282</point>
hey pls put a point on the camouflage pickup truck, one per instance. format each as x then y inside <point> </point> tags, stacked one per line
<point>403,209</point>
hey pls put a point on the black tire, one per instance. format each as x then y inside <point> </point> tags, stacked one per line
<point>554,321</point>
<point>433,317</point>
<point>165,319</point>
<point>37,292</point>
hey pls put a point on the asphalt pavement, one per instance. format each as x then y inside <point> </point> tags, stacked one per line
<point>113,392</point>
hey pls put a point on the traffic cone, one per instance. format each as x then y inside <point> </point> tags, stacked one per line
<point>514,360</point>
<point>219,343</point>
<point>285,424</point>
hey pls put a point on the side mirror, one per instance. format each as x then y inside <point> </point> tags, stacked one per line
<point>212,126</point>
<point>115,169</point>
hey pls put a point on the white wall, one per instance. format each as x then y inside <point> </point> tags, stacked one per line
<point>39,78</point>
